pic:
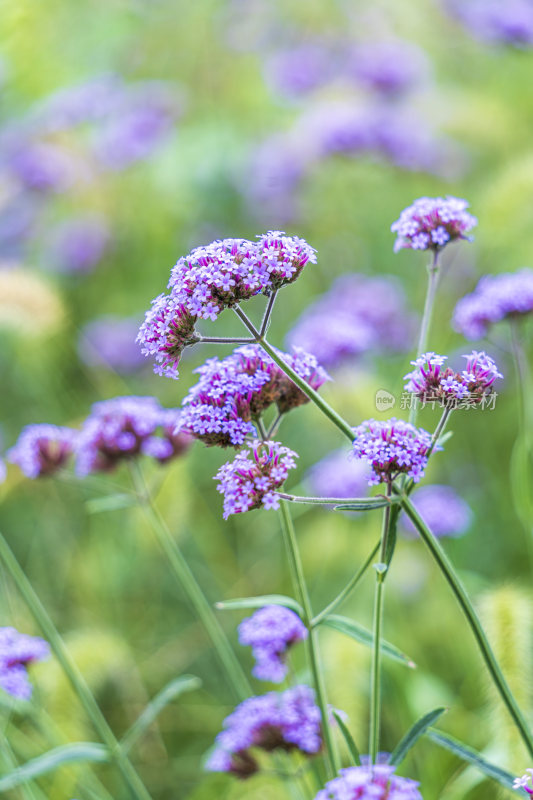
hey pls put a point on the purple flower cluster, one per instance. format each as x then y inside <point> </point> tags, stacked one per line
<point>445,512</point>
<point>431,223</point>
<point>79,244</point>
<point>213,278</point>
<point>494,298</point>
<point>390,68</point>
<point>392,447</point>
<point>370,783</point>
<point>490,20</point>
<point>125,427</point>
<point>234,391</point>
<point>338,475</point>
<point>17,650</point>
<point>525,782</point>
<point>250,480</point>
<point>270,632</point>
<point>43,449</point>
<point>357,314</point>
<point>288,720</point>
<point>431,383</point>
<point>110,342</point>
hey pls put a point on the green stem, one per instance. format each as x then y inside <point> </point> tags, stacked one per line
<point>302,593</point>
<point>375,676</point>
<point>462,598</point>
<point>369,503</point>
<point>433,269</point>
<point>39,613</point>
<point>350,586</point>
<point>234,672</point>
<point>313,395</point>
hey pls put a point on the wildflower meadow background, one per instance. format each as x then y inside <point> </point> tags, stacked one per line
<point>132,133</point>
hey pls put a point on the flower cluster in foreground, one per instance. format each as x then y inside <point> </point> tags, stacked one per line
<point>370,783</point>
<point>392,447</point>
<point>250,480</point>
<point>212,278</point>
<point>235,390</point>
<point>525,782</point>
<point>431,381</point>
<point>432,222</point>
<point>42,449</point>
<point>494,298</point>
<point>286,721</point>
<point>17,650</point>
<point>270,632</point>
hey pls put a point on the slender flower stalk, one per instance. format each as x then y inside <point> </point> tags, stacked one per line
<point>433,269</point>
<point>300,587</point>
<point>235,675</point>
<point>350,586</point>
<point>268,313</point>
<point>136,787</point>
<point>367,503</point>
<point>462,598</point>
<point>375,677</point>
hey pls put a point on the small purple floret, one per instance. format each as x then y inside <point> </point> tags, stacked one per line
<point>270,632</point>
<point>17,650</point>
<point>432,222</point>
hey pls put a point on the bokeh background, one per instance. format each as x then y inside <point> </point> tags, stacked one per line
<point>134,131</point>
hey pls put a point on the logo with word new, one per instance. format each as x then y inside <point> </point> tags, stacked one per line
<point>384,400</point>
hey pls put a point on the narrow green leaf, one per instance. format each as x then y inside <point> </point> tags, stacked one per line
<point>366,504</point>
<point>364,636</point>
<point>445,437</point>
<point>110,503</point>
<point>185,683</point>
<point>52,760</point>
<point>472,757</point>
<point>348,738</point>
<point>413,735</point>
<point>259,602</point>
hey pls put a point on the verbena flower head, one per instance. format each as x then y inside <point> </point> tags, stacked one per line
<point>125,427</point>
<point>212,278</point>
<point>431,381</point>
<point>42,449</point>
<point>370,783</point>
<point>494,298</point>
<point>250,480</point>
<point>431,223</point>
<point>234,390</point>
<point>388,67</point>
<point>109,342</point>
<point>17,650</point>
<point>288,720</point>
<point>271,632</point>
<point>525,782</point>
<point>338,475</point>
<point>445,512</point>
<point>392,447</point>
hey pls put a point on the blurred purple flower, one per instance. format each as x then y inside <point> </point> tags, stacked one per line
<point>86,102</point>
<point>370,783</point>
<point>509,22</point>
<point>110,342</point>
<point>17,650</point>
<point>338,475</point>
<point>509,294</point>
<point>388,67</point>
<point>79,244</point>
<point>445,512</point>
<point>271,632</point>
<point>42,166</point>
<point>42,449</point>
<point>298,69</point>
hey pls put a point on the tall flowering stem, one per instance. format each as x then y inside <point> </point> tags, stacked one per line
<point>313,395</point>
<point>300,586</point>
<point>235,675</point>
<point>461,595</point>
<point>375,676</point>
<point>135,786</point>
<point>433,269</point>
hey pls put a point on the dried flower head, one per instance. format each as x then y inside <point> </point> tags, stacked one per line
<point>235,390</point>
<point>286,721</point>
<point>17,650</point>
<point>42,449</point>
<point>270,632</point>
<point>431,223</point>
<point>494,298</point>
<point>370,783</point>
<point>392,447</point>
<point>250,480</point>
<point>432,382</point>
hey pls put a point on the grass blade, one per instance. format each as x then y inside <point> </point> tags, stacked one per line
<point>413,735</point>
<point>364,636</point>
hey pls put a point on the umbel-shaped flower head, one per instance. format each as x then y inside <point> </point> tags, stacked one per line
<point>250,480</point>
<point>212,278</point>
<point>271,632</point>
<point>235,390</point>
<point>286,721</point>
<point>370,783</point>
<point>431,223</point>
<point>42,449</point>
<point>392,447</point>
<point>432,382</point>
<point>17,650</point>
<point>494,298</point>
